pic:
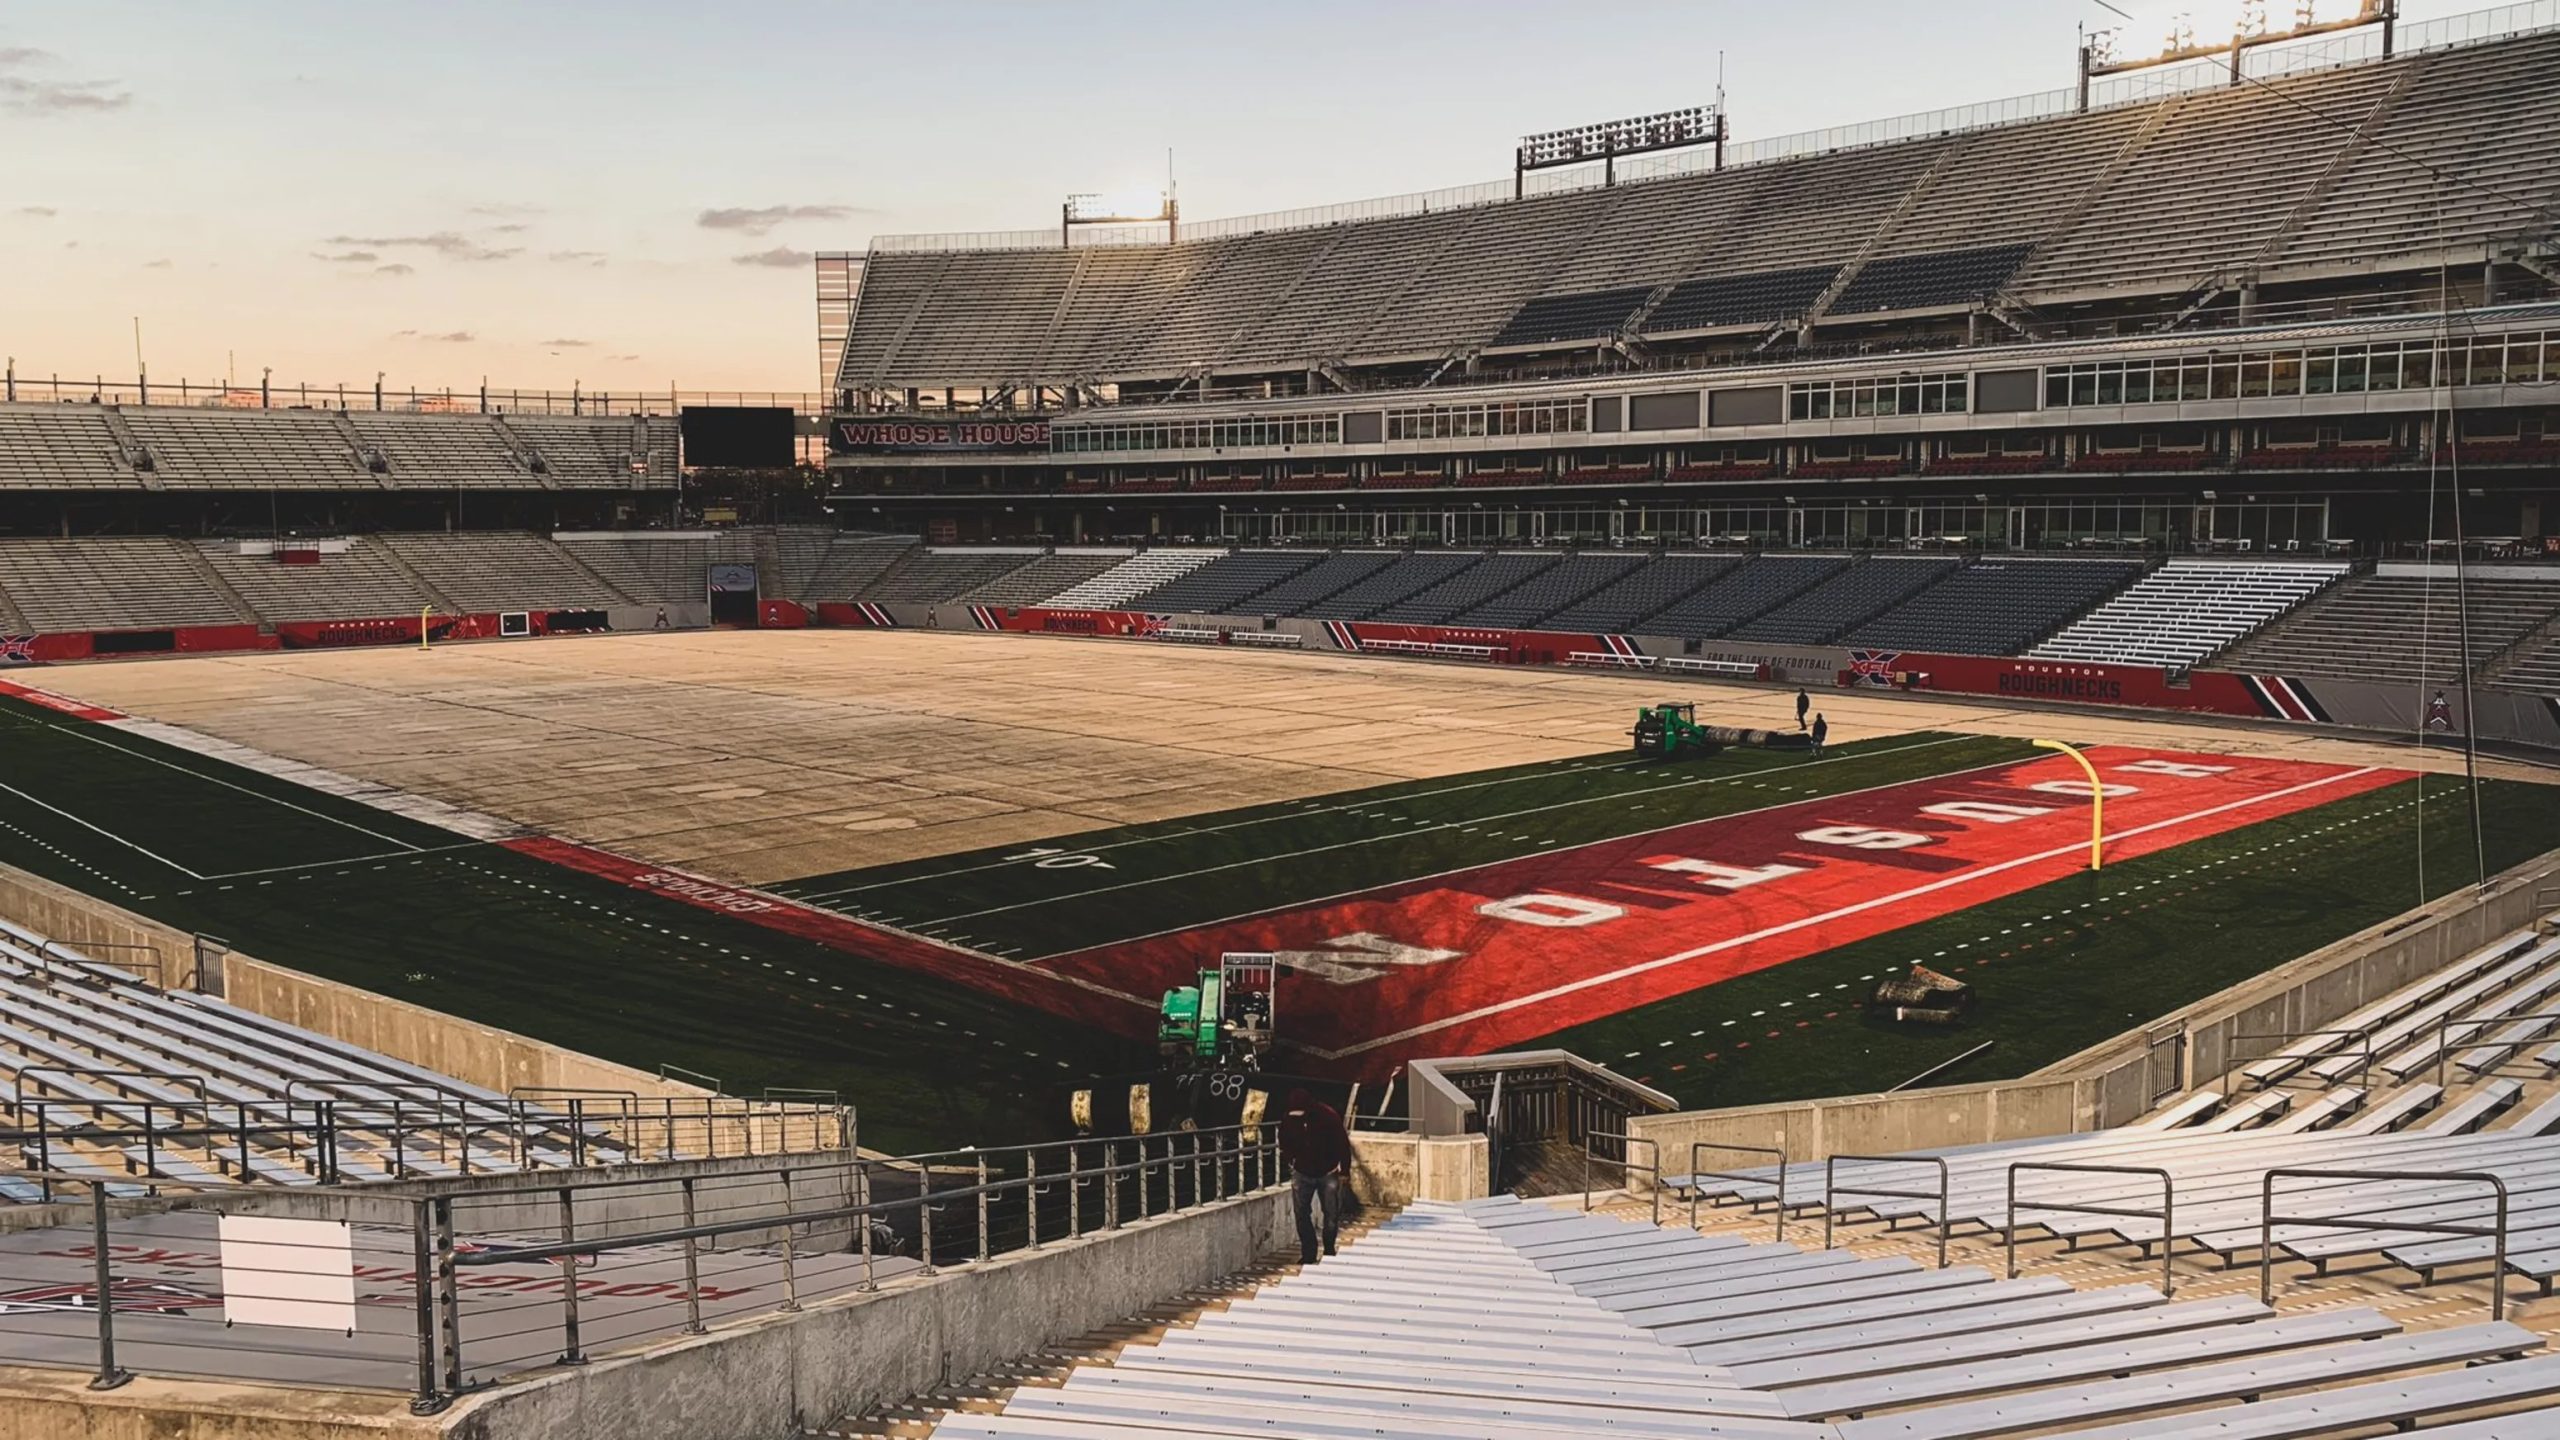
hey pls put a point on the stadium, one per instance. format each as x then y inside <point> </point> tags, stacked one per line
<point>1895,781</point>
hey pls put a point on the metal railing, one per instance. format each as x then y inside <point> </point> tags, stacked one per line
<point>2495,1232</point>
<point>25,387</point>
<point>1698,1147</point>
<point>2167,1214</point>
<point>502,1275</point>
<point>1625,1164</point>
<point>1831,1190</point>
<point>2446,1025</point>
<point>1942,1067</point>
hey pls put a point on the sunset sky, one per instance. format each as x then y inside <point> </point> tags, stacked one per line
<point>627,195</point>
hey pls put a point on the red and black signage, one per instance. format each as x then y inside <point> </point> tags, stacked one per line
<point>931,437</point>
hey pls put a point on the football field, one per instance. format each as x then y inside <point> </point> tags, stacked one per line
<point>415,826</point>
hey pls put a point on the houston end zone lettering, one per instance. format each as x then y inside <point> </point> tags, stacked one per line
<point>1509,952</point>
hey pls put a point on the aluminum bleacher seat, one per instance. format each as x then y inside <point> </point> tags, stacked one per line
<point>939,577</point>
<point>2188,609</point>
<point>1844,598</point>
<point>352,580</point>
<point>62,447</point>
<point>500,571</point>
<point>2398,628</point>
<point>1741,593</point>
<point>1560,586</point>
<point>1407,575</point>
<point>437,452</point>
<point>247,449</point>
<point>112,584</point>
<point>1322,580</point>
<point>1626,604</point>
<point>604,452</point>
<point>1136,576</point>
<point>1509,1320</point>
<point>852,562</point>
<point>1229,584</point>
<point>660,567</point>
<point>2211,186</point>
<point>1996,606</point>
<point>1034,583</point>
<point>1469,587</point>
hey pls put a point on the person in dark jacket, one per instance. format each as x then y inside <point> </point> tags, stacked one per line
<point>1821,733</point>
<point>1804,702</point>
<point>1317,1151</point>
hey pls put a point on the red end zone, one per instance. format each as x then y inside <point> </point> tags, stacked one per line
<point>1473,961</point>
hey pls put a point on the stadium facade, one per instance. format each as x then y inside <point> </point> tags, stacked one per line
<point>2237,316</point>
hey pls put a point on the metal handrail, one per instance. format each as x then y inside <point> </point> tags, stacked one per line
<point>1831,1188</point>
<point>2268,1220</point>
<point>2446,1024</point>
<point>1941,1067</point>
<point>1695,1174</point>
<point>2231,1068</point>
<point>2166,1214</point>
<point>1624,1165</point>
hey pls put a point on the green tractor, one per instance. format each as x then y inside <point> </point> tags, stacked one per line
<point>1671,730</point>
<point>1225,1021</point>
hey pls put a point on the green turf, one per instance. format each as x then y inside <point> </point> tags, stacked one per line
<point>1046,900</point>
<point>490,935</point>
<point>2067,965</point>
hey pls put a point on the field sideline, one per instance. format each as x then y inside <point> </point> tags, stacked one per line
<point>1720,994</point>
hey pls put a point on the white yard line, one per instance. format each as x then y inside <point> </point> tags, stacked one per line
<point>102,830</point>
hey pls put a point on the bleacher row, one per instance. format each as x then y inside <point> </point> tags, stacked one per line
<point>2149,199</point>
<point>1508,1320</point>
<point>2309,619</point>
<point>2453,1073</point>
<point>113,447</point>
<point>111,1077</point>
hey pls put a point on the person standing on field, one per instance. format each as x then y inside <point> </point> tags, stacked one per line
<point>1821,732</point>
<point>1804,702</point>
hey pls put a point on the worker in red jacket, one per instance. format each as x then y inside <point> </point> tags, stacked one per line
<point>1317,1151</point>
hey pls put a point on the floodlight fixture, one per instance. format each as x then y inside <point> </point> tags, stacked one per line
<point>2248,32</point>
<point>1092,209</point>
<point>1606,141</point>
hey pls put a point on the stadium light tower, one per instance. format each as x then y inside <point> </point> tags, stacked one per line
<point>1119,210</point>
<point>1606,141</point>
<point>2249,32</point>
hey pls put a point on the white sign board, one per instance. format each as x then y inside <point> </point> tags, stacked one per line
<point>300,1274</point>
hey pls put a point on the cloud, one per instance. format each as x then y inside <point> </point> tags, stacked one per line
<point>564,344</point>
<point>37,212</point>
<point>155,265</point>
<point>445,337</point>
<point>780,257</point>
<point>451,244</point>
<point>29,95</point>
<point>622,357</point>
<point>395,268</point>
<point>758,220</point>
<point>512,228</point>
<point>504,210</point>
<point>349,257</point>
<point>590,258</point>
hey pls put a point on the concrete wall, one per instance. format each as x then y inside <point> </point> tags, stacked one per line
<point>766,1378</point>
<point>56,1405</point>
<point>1390,1170</point>
<point>1867,1124</point>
